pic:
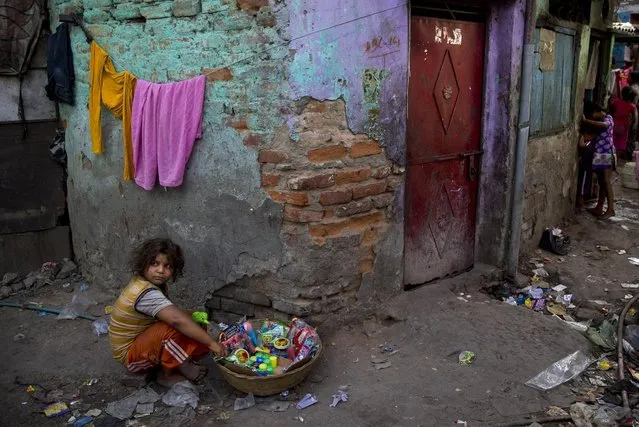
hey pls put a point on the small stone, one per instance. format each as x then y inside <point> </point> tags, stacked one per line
<point>5,291</point>
<point>17,286</point>
<point>29,281</point>
<point>8,279</point>
<point>186,7</point>
<point>18,337</point>
<point>67,269</point>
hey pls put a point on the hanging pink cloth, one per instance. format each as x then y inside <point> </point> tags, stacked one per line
<point>166,121</point>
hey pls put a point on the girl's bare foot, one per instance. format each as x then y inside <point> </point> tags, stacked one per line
<point>169,380</point>
<point>193,371</point>
<point>609,214</point>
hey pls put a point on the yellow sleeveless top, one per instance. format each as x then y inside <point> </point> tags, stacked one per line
<point>126,323</point>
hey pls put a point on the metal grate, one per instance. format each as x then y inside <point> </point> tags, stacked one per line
<point>448,10</point>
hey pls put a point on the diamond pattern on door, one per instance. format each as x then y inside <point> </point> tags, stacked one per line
<point>446,91</point>
<point>440,219</point>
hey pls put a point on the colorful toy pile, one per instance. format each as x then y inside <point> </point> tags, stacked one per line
<point>273,349</point>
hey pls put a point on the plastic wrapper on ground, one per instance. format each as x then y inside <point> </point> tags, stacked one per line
<point>561,371</point>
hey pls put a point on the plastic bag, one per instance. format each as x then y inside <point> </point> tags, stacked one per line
<point>100,326</point>
<point>182,394</point>
<point>79,303</point>
<point>604,336</point>
<point>244,402</point>
<point>561,371</point>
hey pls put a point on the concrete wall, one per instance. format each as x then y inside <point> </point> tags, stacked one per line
<point>551,166</point>
<point>286,123</point>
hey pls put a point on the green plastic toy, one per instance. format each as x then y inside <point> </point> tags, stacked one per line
<point>200,317</point>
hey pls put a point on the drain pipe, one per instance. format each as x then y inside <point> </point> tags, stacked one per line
<point>523,130</point>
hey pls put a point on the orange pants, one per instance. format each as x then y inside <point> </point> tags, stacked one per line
<point>162,344</point>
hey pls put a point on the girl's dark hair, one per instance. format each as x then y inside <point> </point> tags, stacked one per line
<point>590,108</point>
<point>143,256</point>
<point>627,94</point>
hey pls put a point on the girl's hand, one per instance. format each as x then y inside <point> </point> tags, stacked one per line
<point>218,349</point>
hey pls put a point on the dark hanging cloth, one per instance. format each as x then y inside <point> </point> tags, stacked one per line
<point>20,25</point>
<point>60,66</point>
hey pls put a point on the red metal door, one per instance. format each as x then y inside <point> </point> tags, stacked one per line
<point>444,127</point>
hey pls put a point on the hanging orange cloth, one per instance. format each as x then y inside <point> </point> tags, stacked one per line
<point>115,91</point>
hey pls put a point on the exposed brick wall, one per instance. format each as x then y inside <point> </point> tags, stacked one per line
<point>337,188</point>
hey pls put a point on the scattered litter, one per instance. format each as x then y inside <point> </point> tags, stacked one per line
<point>85,421</point>
<point>625,227</point>
<point>340,396</point>
<point>123,409</point>
<point>541,272</point>
<point>144,409</point>
<point>462,422</point>
<point>511,301</point>
<point>182,394</point>
<point>556,411</point>
<point>100,326</point>
<point>80,302</point>
<point>285,393</point>
<point>579,326</point>
<point>559,288</point>
<point>466,357</point>
<point>627,296</point>
<point>224,416</point>
<point>30,389</point>
<point>604,365</point>
<point>244,402</point>
<point>93,413</point>
<point>108,309</point>
<point>90,381</point>
<point>630,285</point>
<point>603,248</point>
<point>56,409</point>
<point>383,365</point>
<point>633,261</point>
<point>604,336</point>
<point>306,401</point>
<point>276,406</point>
<point>71,420</point>
<point>621,251</point>
<point>298,418</point>
<point>598,302</point>
<point>556,309</point>
<point>536,293</point>
<point>18,337</point>
<point>561,371</point>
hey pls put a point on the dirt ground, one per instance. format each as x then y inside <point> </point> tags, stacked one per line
<point>429,326</point>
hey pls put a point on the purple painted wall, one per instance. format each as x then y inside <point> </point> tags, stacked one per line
<point>357,51</point>
<point>505,32</point>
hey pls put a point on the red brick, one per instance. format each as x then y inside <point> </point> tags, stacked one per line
<point>252,5</point>
<point>336,197</point>
<point>361,149</point>
<point>382,172</point>
<point>369,189</point>
<point>252,140</point>
<point>325,154</point>
<point>329,213</point>
<point>269,179</point>
<point>383,200</point>
<point>218,74</point>
<point>300,215</point>
<point>354,224</point>
<point>354,208</point>
<point>353,175</point>
<point>272,156</point>
<point>240,124</point>
<point>366,266</point>
<point>312,182</point>
<point>291,197</point>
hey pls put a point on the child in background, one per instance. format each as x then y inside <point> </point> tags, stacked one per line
<point>624,113</point>
<point>603,159</point>
<point>147,330</point>
<point>584,180</point>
